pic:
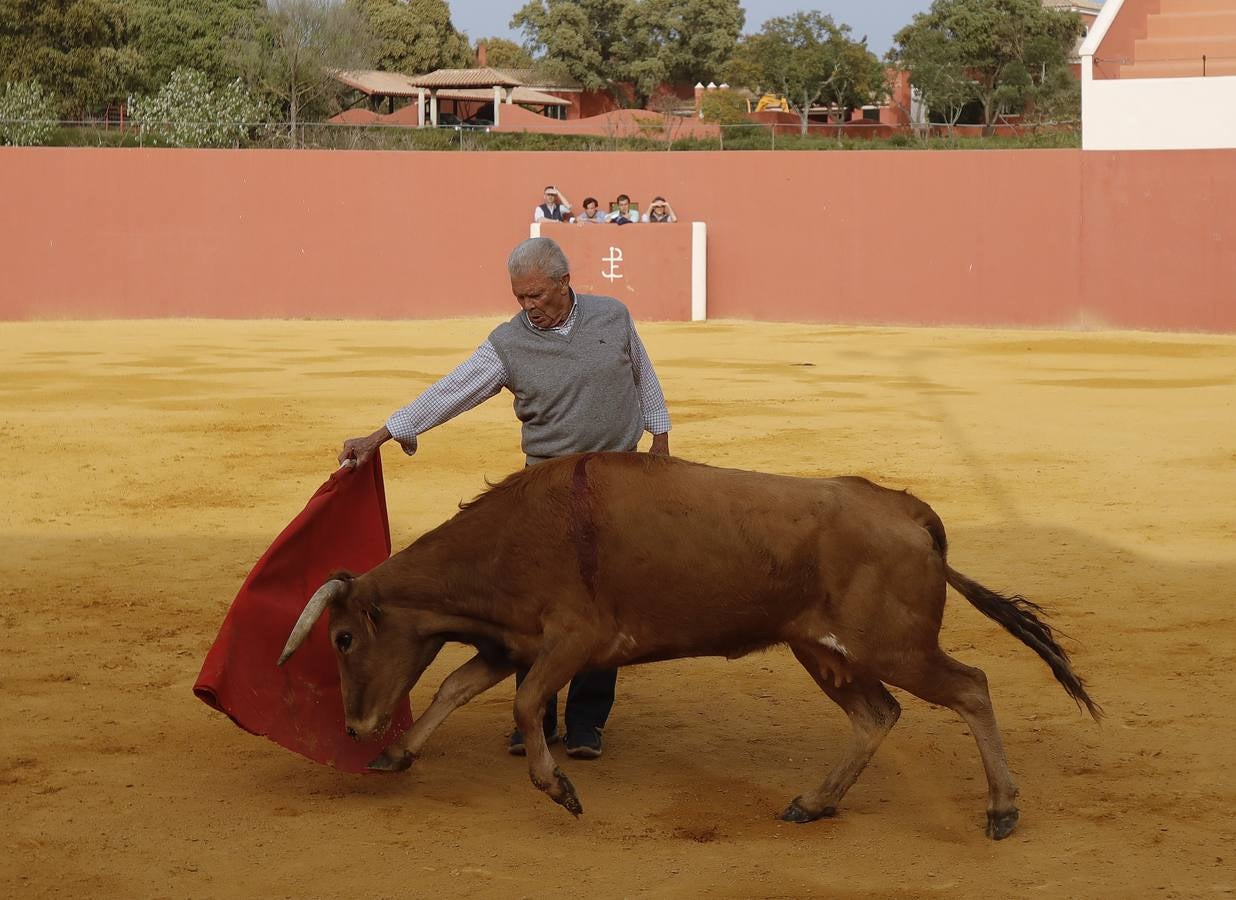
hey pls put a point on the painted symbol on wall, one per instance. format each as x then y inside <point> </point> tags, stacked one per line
<point>614,259</point>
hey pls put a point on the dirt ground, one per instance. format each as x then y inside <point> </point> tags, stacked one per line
<point>149,464</point>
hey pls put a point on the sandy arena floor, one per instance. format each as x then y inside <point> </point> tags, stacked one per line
<point>150,464</point>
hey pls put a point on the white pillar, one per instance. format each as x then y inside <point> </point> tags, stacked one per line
<point>497,103</point>
<point>699,272</point>
<point>433,108</point>
<point>420,108</point>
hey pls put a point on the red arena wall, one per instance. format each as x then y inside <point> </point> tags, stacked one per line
<point>1033,238</point>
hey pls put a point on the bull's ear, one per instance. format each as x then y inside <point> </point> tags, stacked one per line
<point>322,598</point>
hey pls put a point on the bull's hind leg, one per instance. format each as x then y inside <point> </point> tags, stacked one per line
<point>474,677</point>
<point>548,675</point>
<point>942,680</point>
<point>872,711</point>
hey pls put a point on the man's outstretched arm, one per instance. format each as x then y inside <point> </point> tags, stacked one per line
<point>471,383</point>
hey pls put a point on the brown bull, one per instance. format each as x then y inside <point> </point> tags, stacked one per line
<point>612,559</point>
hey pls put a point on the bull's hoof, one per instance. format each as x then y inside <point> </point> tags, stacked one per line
<point>392,760</point>
<point>800,815</point>
<point>1001,824</point>
<point>567,798</point>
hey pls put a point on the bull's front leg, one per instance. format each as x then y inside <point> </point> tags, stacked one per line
<point>472,678</point>
<point>548,675</point>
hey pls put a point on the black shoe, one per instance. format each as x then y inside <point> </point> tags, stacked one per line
<point>584,743</point>
<point>516,747</point>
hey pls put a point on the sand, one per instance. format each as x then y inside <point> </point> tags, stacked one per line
<point>150,463</point>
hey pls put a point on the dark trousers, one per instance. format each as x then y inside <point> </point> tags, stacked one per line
<point>589,700</point>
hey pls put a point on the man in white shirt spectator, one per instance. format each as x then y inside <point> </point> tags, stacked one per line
<point>660,211</point>
<point>591,214</point>
<point>556,207</point>
<point>624,215</point>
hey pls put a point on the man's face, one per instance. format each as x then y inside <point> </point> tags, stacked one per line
<point>551,199</point>
<point>624,206</point>
<point>546,300</point>
<point>590,209</point>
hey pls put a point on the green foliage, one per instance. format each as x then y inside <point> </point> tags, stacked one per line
<point>575,38</point>
<point>413,36</point>
<point>27,114</point>
<point>503,54</point>
<point>190,34</point>
<point>808,59</point>
<point>645,42</point>
<point>1008,49</point>
<point>675,42</point>
<point>290,55</point>
<point>723,108</point>
<point>78,49</point>
<point>189,112</point>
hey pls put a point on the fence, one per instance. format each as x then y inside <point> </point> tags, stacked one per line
<point>467,137</point>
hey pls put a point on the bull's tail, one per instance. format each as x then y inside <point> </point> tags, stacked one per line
<point>1021,619</point>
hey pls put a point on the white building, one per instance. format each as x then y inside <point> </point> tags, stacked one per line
<point>1160,75</point>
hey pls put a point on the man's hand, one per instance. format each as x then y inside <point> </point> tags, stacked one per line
<point>660,444</point>
<point>358,450</point>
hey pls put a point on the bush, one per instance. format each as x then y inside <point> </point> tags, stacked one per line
<point>189,112</point>
<point>27,116</point>
<point>723,108</point>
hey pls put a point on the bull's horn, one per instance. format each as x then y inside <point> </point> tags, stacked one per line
<point>313,611</point>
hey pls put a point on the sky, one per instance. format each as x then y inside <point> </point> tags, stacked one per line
<point>878,19</point>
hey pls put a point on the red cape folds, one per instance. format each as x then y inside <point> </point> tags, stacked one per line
<point>300,705</point>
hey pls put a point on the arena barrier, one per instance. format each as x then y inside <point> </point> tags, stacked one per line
<point>658,271</point>
<point>1050,238</point>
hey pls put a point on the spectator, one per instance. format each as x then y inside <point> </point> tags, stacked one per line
<point>660,211</point>
<point>556,208</point>
<point>591,213</point>
<point>624,215</point>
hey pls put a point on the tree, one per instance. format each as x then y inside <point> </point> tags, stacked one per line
<point>725,109</point>
<point>78,49</point>
<point>857,76</point>
<point>27,114</point>
<point>938,73</point>
<point>192,34</point>
<point>413,36</point>
<point>1007,48</point>
<point>807,57</point>
<point>292,54</point>
<point>574,38</point>
<point>1056,99</point>
<point>675,42</point>
<point>189,111</point>
<point>503,54</point>
<point>645,42</point>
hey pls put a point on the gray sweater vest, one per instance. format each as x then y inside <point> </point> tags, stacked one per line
<point>573,394</point>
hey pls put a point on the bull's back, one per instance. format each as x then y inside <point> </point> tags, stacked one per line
<point>730,555</point>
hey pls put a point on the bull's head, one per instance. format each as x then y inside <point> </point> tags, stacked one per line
<point>375,656</point>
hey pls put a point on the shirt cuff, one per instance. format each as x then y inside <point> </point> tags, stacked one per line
<point>405,440</point>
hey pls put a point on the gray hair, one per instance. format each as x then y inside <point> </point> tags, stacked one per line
<point>538,256</point>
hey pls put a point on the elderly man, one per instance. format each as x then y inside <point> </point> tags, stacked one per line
<point>582,382</point>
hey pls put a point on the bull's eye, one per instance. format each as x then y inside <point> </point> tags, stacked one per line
<point>343,640</point>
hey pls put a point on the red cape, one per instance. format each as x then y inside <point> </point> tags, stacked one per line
<point>300,705</point>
